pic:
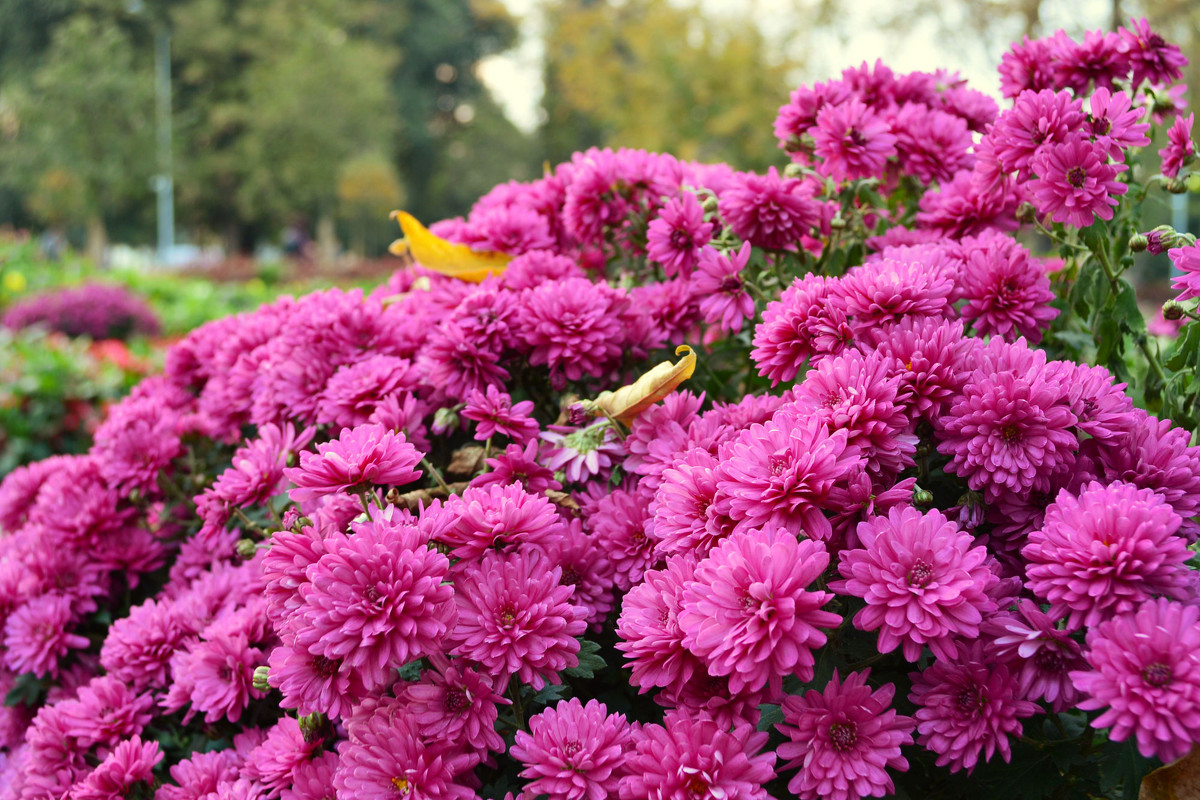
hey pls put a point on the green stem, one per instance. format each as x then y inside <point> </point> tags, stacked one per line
<point>1114,284</point>
<point>249,523</point>
<point>437,476</point>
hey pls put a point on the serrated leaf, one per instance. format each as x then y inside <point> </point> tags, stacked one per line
<point>1187,349</point>
<point>770,715</point>
<point>550,693</point>
<point>590,661</point>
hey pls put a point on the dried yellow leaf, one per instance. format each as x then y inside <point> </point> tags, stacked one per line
<point>627,402</point>
<point>435,253</point>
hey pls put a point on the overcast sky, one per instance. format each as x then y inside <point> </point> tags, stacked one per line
<point>515,77</point>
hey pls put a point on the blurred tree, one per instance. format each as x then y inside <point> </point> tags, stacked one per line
<point>651,74</point>
<point>82,120</point>
<point>368,188</point>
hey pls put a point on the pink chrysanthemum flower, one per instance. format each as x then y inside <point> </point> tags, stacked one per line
<point>843,740</point>
<point>1043,654</point>
<point>313,683</point>
<point>857,394</point>
<point>500,518</point>
<point>131,762</point>
<point>685,515</point>
<point>770,211</point>
<point>1114,120</point>
<point>852,140</point>
<point>889,289</point>
<point>808,321</point>
<point>138,440</point>
<point>1099,59</point>
<point>200,774</point>
<point>1105,551</point>
<point>693,756</point>
<point>1075,184</point>
<point>1153,59</point>
<point>623,525</point>
<point>1187,261</point>
<point>139,647</point>
<point>573,751</point>
<point>255,474</point>
<point>376,600</point>
<point>38,633</point>
<point>967,707</point>
<point>585,564</point>
<point>272,764</point>
<point>355,390</point>
<point>496,413</point>
<point>748,612</point>
<point>580,453</point>
<point>516,618</point>
<point>1009,431</point>
<point>924,580</point>
<point>650,636</point>
<point>709,695</point>
<point>675,236</point>
<point>454,704</point>
<point>780,474</point>
<point>1007,291</point>
<point>718,283</point>
<point>1026,66</point>
<point>458,363</point>
<point>518,465</point>
<point>216,677</point>
<point>387,758</point>
<point>1037,119</point>
<point>1153,454</point>
<point>932,145</point>
<point>1180,149</point>
<point>574,327</point>
<point>1145,674</point>
<point>359,458</point>
<point>313,780</point>
<point>540,266</point>
<point>929,358</point>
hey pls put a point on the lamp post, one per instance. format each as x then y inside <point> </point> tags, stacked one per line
<point>164,183</point>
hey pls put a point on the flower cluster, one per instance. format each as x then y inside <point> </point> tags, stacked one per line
<point>95,310</point>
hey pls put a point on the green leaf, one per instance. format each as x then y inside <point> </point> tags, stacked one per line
<point>28,690</point>
<point>550,693</point>
<point>770,716</point>
<point>590,661</point>
<point>1187,349</point>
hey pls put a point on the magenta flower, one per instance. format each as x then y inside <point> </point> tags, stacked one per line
<point>808,321</point>
<point>1187,261</point>
<point>500,518</point>
<point>650,636</point>
<point>929,357</point>
<point>516,618</point>
<point>1105,551</point>
<point>585,564</point>
<point>1180,149</point>
<point>376,600</point>
<point>674,238</point>
<point>1145,674</point>
<point>967,707</point>
<point>889,289</point>
<point>770,211</point>
<point>924,580</point>
<point>622,526</point>
<point>748,612</point>
<point>1075,184</point>
<point>454,704</point>
<point>356,390</point>
<point>718,283</point>
<point>360,458</point>
<point>1007,290</point>
<point>1037,119</point>
<point>843,740</point>
<point>314,683</point>
<point>38,633</point>
<point>852,140</point>
<point>573,751</point>
<point>1099,59</point>
<point>685,517</point>
<point>518,465</point>
<point>496,413</point>
<point>131,762</point>
<point>574,327</point>
<point>1026,66</point>
<point>932,145</point>
<point>1152,58</point>
<point>216,677</point>
<point>1042,653</point>
<point>688,757</point>
<point>1115,121</point>
<point>1153,454</point>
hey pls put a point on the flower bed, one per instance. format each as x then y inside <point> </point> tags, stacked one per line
<point>907,528</point>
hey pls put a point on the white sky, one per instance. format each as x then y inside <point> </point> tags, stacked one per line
<point>515,77</point>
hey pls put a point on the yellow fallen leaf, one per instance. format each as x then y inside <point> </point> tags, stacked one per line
<point>435,253</point>
<point>627,402</point>
<point>1179,780</point>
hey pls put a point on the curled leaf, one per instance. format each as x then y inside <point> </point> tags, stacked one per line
<point>435,253</point>
<point>1179,780</point>
<point>627,402</point>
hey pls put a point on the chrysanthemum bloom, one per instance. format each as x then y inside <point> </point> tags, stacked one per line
<point>574,327</point>
<point>495,412</point>
<point>511,229</point>
<point>808,321</point>
<point>216,677</point>
<point>363,457</point>
<point>517,465</point>
<point>1105,551</point>
<point>929,358</point>
<point>1075,184</point>
<point>496,518</point>
<point>857,394</point>
<point>355,390</point>
<point>1042,653</point>
<point>853,141</point>
<point>800,113</point>
<point>1007,290</point>
<point>932,145</point>
<point>457,363</point>
<point>624,527</point>
<point>580,453</point>
<point>659,434</point>
<point>843,740</point>
<point>453,703</point>
<point>377,600</point>
<point>387,758</point>
<point>105,711</point>
<point>1154,454</point>
<point>1008,431</point>
<point>1099,59</point>
<point>924,580</point>
<point>675,236</point>
<point>584,560</point>
<point>650,636</point>
<point>1180,149</point>
<point>1026,65</point>
<point>200,774</point>
<point>516,618</point>
<point>540,266</point>
<point>573,751</point>
<point>889,289</point>
<point>718,283</point>
<point>780,474</point>
<point>685,517</point>
<point>139,647</point>
<point>1153,59</point>
<point>770,211</point>
<point>967,707</point>
<point>313,780</point>
<point>748,612</point>
<point>1187,261</point>
<point>693,756</point>
<point>38,633</point>
<point>138,440</point>
<point>272,764</point>
<point>284,569</point>
<point>1036,119</point>
<point>1145,674</point>
<point>1113,119</point>
<point>971,204</point>
<point>255,474</point>
<point>131,762</point>
<point>313,683</point>
<point>1099,401</point>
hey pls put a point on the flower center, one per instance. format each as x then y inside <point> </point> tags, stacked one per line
<point>457,700</point>
<point>843,735</point>
<point>1048,659</point>
<point>778,464</point>
<point>1010,434</point>
<point>696,786</point>
<point>971,702</point>
<point>855,137</point>
<point>572,747</point>
<point>1076,176</point>
<point>402,786</point>
<point>1157,674</point>
<point>570,576</point>
<point>681,239</point>
<point>920,573</point>
<point>325,667</point>
<point>732,283</point>
<point>507,616</point>
<point>1101,126</point>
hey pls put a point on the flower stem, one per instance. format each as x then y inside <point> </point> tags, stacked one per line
<point>437,476</point>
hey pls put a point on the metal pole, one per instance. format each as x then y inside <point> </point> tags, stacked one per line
<point>164,183</point>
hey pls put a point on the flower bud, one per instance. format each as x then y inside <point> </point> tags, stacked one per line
<point>709,204</point>
<point>1176,186</point>
<point>1026,212</point>
<point>793,170</point>
<point>922,497</point>
<point>1172,310</point>
<point>312,725</point>
<point>290,517</point>
<point>1138,242</point>
<point>444,421</point>
<point>246,548</point>
<point>260,679</point>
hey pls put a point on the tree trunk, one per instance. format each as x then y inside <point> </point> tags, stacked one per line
<point>97,240</point>
<point>327,243</point>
